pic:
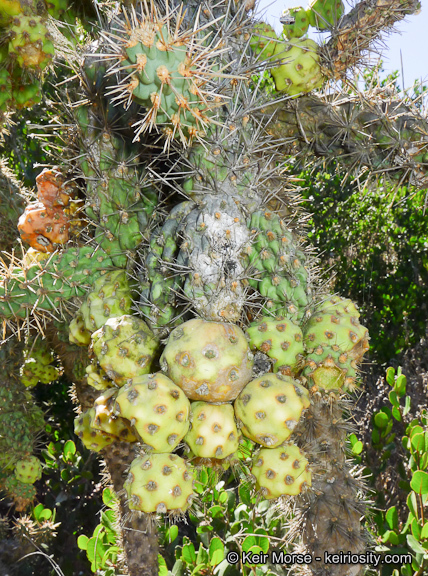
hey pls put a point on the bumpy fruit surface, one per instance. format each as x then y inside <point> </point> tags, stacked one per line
<point>300,25</point>
<point>28,470</point>
<point>263,40</point>
<point>210,361</point>
<point>324,14</point>
<point>336,329</point>
<point>300,71</point>
<point>157,408</point>
<point>159,483</point>
<point>103,417</point>
<point>43,228</point>
<point>97,378</point>
<point>78,334</point>
<point>328,368</point>
<point>30,42</point>
<point>269,408</point>
<point>110,297</point>
<point>213,432</point>
<point>281,340</point>
<point>22,494</point>
<point>125,347</point>
<point>92,438</point>
<point>282,471</point>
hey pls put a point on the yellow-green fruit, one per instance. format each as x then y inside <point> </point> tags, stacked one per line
<point>282,471</point>
<point>338,305</point>
<point>336,329</point>
<point>281,340</point>
<point>157,408</point>
<point>213,432</point>
<point>110,297</point>
<point>97,378</point>
<point>78,334</point>
<point>159,483</point>
<point>93,439</point>
<point>300,25</point>
<point>328,368</point>
<point>30,42</point>
<point>263,40</point>
<point>210,361</point>
<point>28,470</point>
<point>324,14</point>
<point>300,71</point>
<point>125,348</point>
<point>269,408</point>
<point>103,417</point>
<point>9,9</point>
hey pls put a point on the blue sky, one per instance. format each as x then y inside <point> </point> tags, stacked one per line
<point>413,40</point>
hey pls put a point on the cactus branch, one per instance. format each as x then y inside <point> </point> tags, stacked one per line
<point>361,133</point>
<point>356,32</point>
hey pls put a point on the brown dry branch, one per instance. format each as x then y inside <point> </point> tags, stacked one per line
<point>356,32</point>
<point>369,133</point>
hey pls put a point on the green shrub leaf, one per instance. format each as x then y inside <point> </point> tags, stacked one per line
<point>419,482</point>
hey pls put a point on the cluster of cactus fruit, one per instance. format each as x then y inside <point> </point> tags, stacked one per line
<point>196,292</point>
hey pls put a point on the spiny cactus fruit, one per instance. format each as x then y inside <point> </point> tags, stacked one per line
<point>104,418</point>
<point>281,340</point>
<point>210,361</point>
<point>295,22</point>
<point>158,410</point>
<point>336,327</point>
<point>43,228</point>
<point>96,377</point>
<point>159,483</point>
<point>282,471</point>
<point>328,368</point>
<point>263,40</point>
<point>28,470</point>
<point>30,42</point>
<point>22,494</point>
<point>269,408</point>
<point>125,348</point>
<point>37,367</point>
<point>78,334</point>
<point>300,71</point>
<point>91,438</point>
<point>213,432</point>
<point>109,297</point>
<point>324,14</point>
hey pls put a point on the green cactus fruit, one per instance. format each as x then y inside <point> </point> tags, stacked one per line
<point>110,297</point>
<point>210,361</point>
<point>281,340</point>
<point>282,471</point>
<point>97,378</point>
<point>103,417</point>
<point>159,483</point>
<point>9,9</point>
<point>324,14</point>
<point>91,438</point>
<point>125,348</point>
<point>263,40</point>
<point>328,368</point>
<point>5,89</point>
<point>28,470</point>
<point>339,329</point>
<point>30,42</point>
<point>78,334</point>
<point>300,25</point>
<point>158,410</point>
<point>300,71</point>
<point>338,305</point>
<point>37,365</point>
<point>22,494</point>
<point>269,408</point>
<point>213,432</point>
